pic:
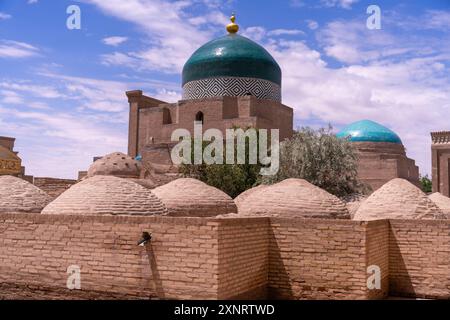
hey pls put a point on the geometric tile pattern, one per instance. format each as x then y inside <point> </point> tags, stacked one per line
<point>231,86</point>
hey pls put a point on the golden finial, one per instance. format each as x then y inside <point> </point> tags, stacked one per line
<point>233,27</point>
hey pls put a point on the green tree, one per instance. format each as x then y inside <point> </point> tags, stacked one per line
<point>321,158</point>
<point>233,179</point>
<point>427,184</point>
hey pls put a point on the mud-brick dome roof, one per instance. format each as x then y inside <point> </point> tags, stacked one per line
<point>398,199</point>
<point>293,198</point>
<point>240,199</point>
<point>106,195</point>
<point>442,202</point>
<point>232,56</point>
<point>188,197</point>
<point>20,196</point>
<point>369,131</point>
<point>116,164</point>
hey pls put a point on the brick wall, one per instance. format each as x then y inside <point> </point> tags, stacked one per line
<point>322,259</point>
<point>53,187</point>
<point>35,251</point>
<point>377,254</point>
<point>243,258</point>
<point>419,258</point>
<point>236,258</point>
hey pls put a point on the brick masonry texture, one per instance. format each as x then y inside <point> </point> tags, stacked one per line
<point>207,258</point>
<point>106,195</point>
<point>116,164</point>
<point>190,197</point>
<point>442,202</point>
<point>380,162</point>
<point>321,259</point>
<point>53,187</point>
<point>18,195</point>
<point>398,199</point>
<point>291,198</point>
<point>419,258</point>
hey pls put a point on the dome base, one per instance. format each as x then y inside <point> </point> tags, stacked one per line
<point>232,87</point>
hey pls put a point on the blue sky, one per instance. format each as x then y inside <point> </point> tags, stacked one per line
<point>62,92</point>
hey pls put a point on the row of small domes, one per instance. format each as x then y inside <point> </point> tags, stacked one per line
<point>398,199</point>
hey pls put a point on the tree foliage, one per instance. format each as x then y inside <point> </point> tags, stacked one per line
<point>233,179</point>
<point>321,158</point>
<point>427,185</point>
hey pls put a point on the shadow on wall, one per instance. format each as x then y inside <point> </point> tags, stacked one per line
<point>399,279</point>
<point>280,287</point>
<point>159,290</point>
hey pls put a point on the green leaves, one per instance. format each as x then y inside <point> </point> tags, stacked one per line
<point>321,158</point>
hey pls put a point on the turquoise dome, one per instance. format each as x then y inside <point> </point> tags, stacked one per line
<point>369,131</point>
<point>232,56</point>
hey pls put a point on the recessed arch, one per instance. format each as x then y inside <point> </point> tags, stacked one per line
<point>200,117</point>
<point>167,118</point>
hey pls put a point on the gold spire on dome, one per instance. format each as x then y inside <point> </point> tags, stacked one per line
<point>233,28</point>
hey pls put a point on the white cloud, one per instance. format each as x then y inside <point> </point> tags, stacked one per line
<point>173,33</point>
<point>4,16</point>
<point>255,33</point>
<point>32,1</point>
<point>281,32</point>
<point>15,49</point>
<point>42,91</point>
<point>436,19</point>
<point>346,4</point>
<point>114,41</point>
<point>387,79</point>
<point>259,34</point>
<point>313,25</point>
<point>59,144</point>
<point>119,59</point>
<point>351,42</point>
<point>10,97</point>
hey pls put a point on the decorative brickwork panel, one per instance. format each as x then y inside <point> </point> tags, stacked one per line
<point>232,87</point>
<point>442,137</point>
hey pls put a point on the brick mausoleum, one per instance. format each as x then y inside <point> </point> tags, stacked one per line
<point>290,240</point>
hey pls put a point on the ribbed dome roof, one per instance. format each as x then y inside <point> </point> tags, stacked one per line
<point>106,195</point>
<point>442,202</point>
<point>18,195</point>
<point>231,56</point>
<point>191,197</point>
<point>239,200</point>
<point>353,202</point>
<point>369,131</point>
<point>293,198</point>
<point>116,164</point>
<point>398,199</point>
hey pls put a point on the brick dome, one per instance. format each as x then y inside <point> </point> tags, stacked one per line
<point>442,202</point>
<point>293,198</point>
<point>20,196</point>
<point>106,195</point>
<point>353,202</point>
<point>244,195</point>
<point>193,198</point>
<point>398,199</point>
<point>116,164</point>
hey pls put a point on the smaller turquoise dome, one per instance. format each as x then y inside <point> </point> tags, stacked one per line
<point>369,131</point>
